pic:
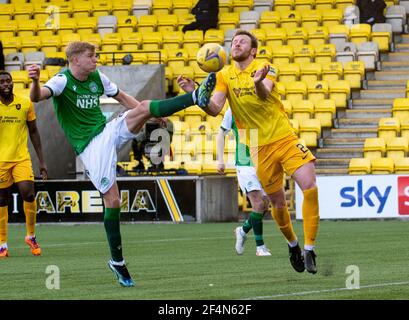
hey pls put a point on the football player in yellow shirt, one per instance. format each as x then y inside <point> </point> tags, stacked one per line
<point>17,118</point>
<point>249,86</point>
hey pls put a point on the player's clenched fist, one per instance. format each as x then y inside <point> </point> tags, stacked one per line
<point>34,72</point>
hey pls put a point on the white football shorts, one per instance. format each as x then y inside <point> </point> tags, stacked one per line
<point>100,156</point>
<point>248,181</point>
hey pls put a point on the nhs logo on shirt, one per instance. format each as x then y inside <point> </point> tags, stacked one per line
<point>367,196</point>
<point>87,101</point>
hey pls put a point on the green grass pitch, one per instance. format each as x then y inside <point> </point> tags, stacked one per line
<point>198,261</point>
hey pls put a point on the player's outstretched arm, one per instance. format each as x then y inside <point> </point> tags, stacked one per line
<point>220,150</point>
<point>36,92</point>
<point>126,100</point>
<point>216,103</point>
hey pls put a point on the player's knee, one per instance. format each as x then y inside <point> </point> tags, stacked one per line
<point>259,205</point>
<point>28,195</point>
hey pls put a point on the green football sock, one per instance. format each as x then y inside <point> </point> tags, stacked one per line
<point>164,108</point>
<point>256,219</point>
<point>247,226</point>
<point>111,223</point>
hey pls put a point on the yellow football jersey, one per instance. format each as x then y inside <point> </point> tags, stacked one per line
<point>262,122</point>
<point>13,129</point>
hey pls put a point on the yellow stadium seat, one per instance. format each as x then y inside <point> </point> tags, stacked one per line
<point>193,39</point>
<point>167,22</point>
<point>311,18</point>
<point>382,38</point>
<point>404,129</point>
<point>242,5</point>
<point>325,111</point>
<point>303,5</point>
<point>260,35</point>
<point>340,91</point>
<point>400,109</point>
<point>332,17</point>
<point>52,70</point>
<point>122,8</point>
<point>324,4</point>
<point>192,52</point>
<point>63,8</point>
<point>402,166</point>
<point>325,53</point>
<point>288,107</point>
<point>354,72</point>
<point>338,33</point>
<point>342,4</point>
<point>225,6</point>
<point>215,122</point>
<point>101,8</point>
<point>8,29</point>
<point>81,9</point>
<point>288,72</point>
<point>6,11</point>
<point>194,114</point>
<point>302,109</point>
<point>282,54</point>
<point>177,58</point>
<point>200,75</point>
<point>127,24</point>
<point>131,41</point>
<point>182,6</point>
<point>67,38</point>
<point>295,125</point>
<point>161,7</point>
<point>50,43</point>
<point>382,166</point>
<point>157,57</point>
<point>172,40</point>
<point>151,40</point>
<point>290,19</point>
<point>310,132</point>
<point>332,71</point>
<point>30,44</point>
<point>269,20</point>
<point>317,35</point>
<point>20,79</point>
<point>359,166</point>
<point>11,45</point>
<point>44,77</point>
<point>147,23</point>
<point>27,28</point>
<point>275,37</point>
<point>310,72</point>
<point>397,148</point>
<point>229,20</point>
<point>264,53</point>
<point>67,26</point>
<point>111,42</point>
<point>214,35</point>
<point>388,128</point>
<point>295,91</point>
<point>304,54</point>
<point>168,82</point>
<point>94,38</point>
<point>86,25</point>
<point>185,19</point>
<point>296,36</point>
<point>23,11</point>
<point>283,5</point>
<point>374,148</point>
<point>46,27</point>
<point>186,71</point>
<point>280,88</point>
<point>360,33</point>
<point>142,8</point>
<point>317,90</point>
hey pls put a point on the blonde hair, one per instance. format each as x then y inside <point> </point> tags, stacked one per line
<point>77,47</point>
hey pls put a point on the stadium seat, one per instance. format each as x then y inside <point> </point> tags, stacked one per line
<point>325,53</point>
<point>67,38</point>
<point>296,36</point>
<point>242,5</point>
<point>354,72</point>
<point>101,8</point>
<point>81,9</point>
<point>397,148</point>
<point>182,6</point>
<point>264,53</point>
<point>111,42</point>
<point>36,57</point>
<point>67,26</point>
<point>131,41</point>
<point>275,37</point>
<point>86,25</point>
<point>172,40</point>
<point>317,35</point>
<point>303,5</point>
<point>167,22</point>
<point>382,166</point>
<point>93,38</point>
<point>214,35</point>
<point>310,72</point>
<point>20,79</point>
<point>332,17</point>
<point>147,23</point>
<point>332,71</point>
<point>401,165</point>
<point>177,58</point>
<point>8,29</point>
<point>14,61</point>
<point>23,11</point>
<point>317,90</point>
<point>151,40</point>
<point>374,148</point>
<point>400,109</point>
<point>157,57</point>
<point>338,34</point>
<point>50,43</point>
<point>11,45</point>
<point>282,54</point>
<point>382,35</point>
<point>396,16</point>
<point>228,20</point>
<point>346,52</point>
<point>359,166</point>
<point>290,19</point>
<point>186,71</point>
<point>302,109</point>
<point>340,91</point>
<point>283,5</point>
<point>263,6</point>
<point>122,8</point>
<point>280,88</point>
<point>342,4</point>
<point>106,24</point>
<point>311,18</point>
<point>193,39</point>
<point>260,35</point>
<point>325,111</point>
<point>200,75</point>
<point>295,91</point>
<point>26,28</point>
<point>368,52</point>
<point>161,7</point>
<point>46,27</point>
<point>324,4</point>
<point>225,6</point>
<point>404,129</point>
<point>295,125</point>
<point>288,72</point>
<point>288,107</point>
<point>269,20</point>
<point>310,132</point>
<point>360,33</point>
<point>249,20</point>
<point>6,11</point>
<point>388,128</point>
<point>44,77</point>
<point>30,44</point>
<point>142,8</point>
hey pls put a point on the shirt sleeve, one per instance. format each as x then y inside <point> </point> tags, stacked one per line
<point>56,84</point>
<point>110,88</point>
<point>227,120</point>
<point>31,114</point>
<point>221,85</point>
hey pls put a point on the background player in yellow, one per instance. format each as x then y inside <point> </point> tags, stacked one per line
<point>248,84</point>
<point>17,118</point>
